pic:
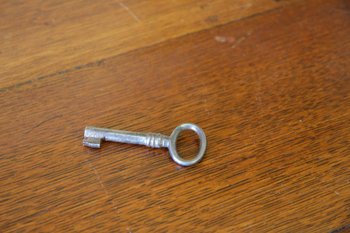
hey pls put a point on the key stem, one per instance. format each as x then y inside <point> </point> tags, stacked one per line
<point>93,137</point>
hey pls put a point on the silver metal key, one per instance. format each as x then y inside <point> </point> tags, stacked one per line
<point>93,137</point>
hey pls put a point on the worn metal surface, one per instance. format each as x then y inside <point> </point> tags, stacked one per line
<point>93,136</point>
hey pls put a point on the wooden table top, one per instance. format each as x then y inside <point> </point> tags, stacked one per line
<point>267,80</point>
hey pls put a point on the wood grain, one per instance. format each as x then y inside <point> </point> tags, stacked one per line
<point>51,36</point>
<point>271,91</point>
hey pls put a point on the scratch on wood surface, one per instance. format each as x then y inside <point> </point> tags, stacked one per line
<point>238,42</point>
<point>241,39</point>
<point>224,39</point>
<point>205,94</point>
<point>129,11</point>
<point>258,93</point>
<point>98,177</point>
<point>255,138</point>
<point>205,106</point>
<point>61,72</point>
<point>233,40</point>
<point>43,122</point>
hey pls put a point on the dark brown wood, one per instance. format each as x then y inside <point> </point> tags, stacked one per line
<point>271,91</point>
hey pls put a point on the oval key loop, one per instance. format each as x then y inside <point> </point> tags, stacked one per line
<point>202,144</point>
<point>93,137</point>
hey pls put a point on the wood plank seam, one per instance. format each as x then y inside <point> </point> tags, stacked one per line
<point>101,61</point>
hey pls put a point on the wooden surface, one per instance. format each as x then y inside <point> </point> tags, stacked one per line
<point>268,81</point>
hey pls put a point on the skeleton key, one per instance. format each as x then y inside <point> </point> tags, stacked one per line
<point>93,137</point>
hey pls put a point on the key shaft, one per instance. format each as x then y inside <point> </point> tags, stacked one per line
<point>93,137</point>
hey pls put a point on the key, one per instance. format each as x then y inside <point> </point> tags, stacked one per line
<point>94,136</point>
